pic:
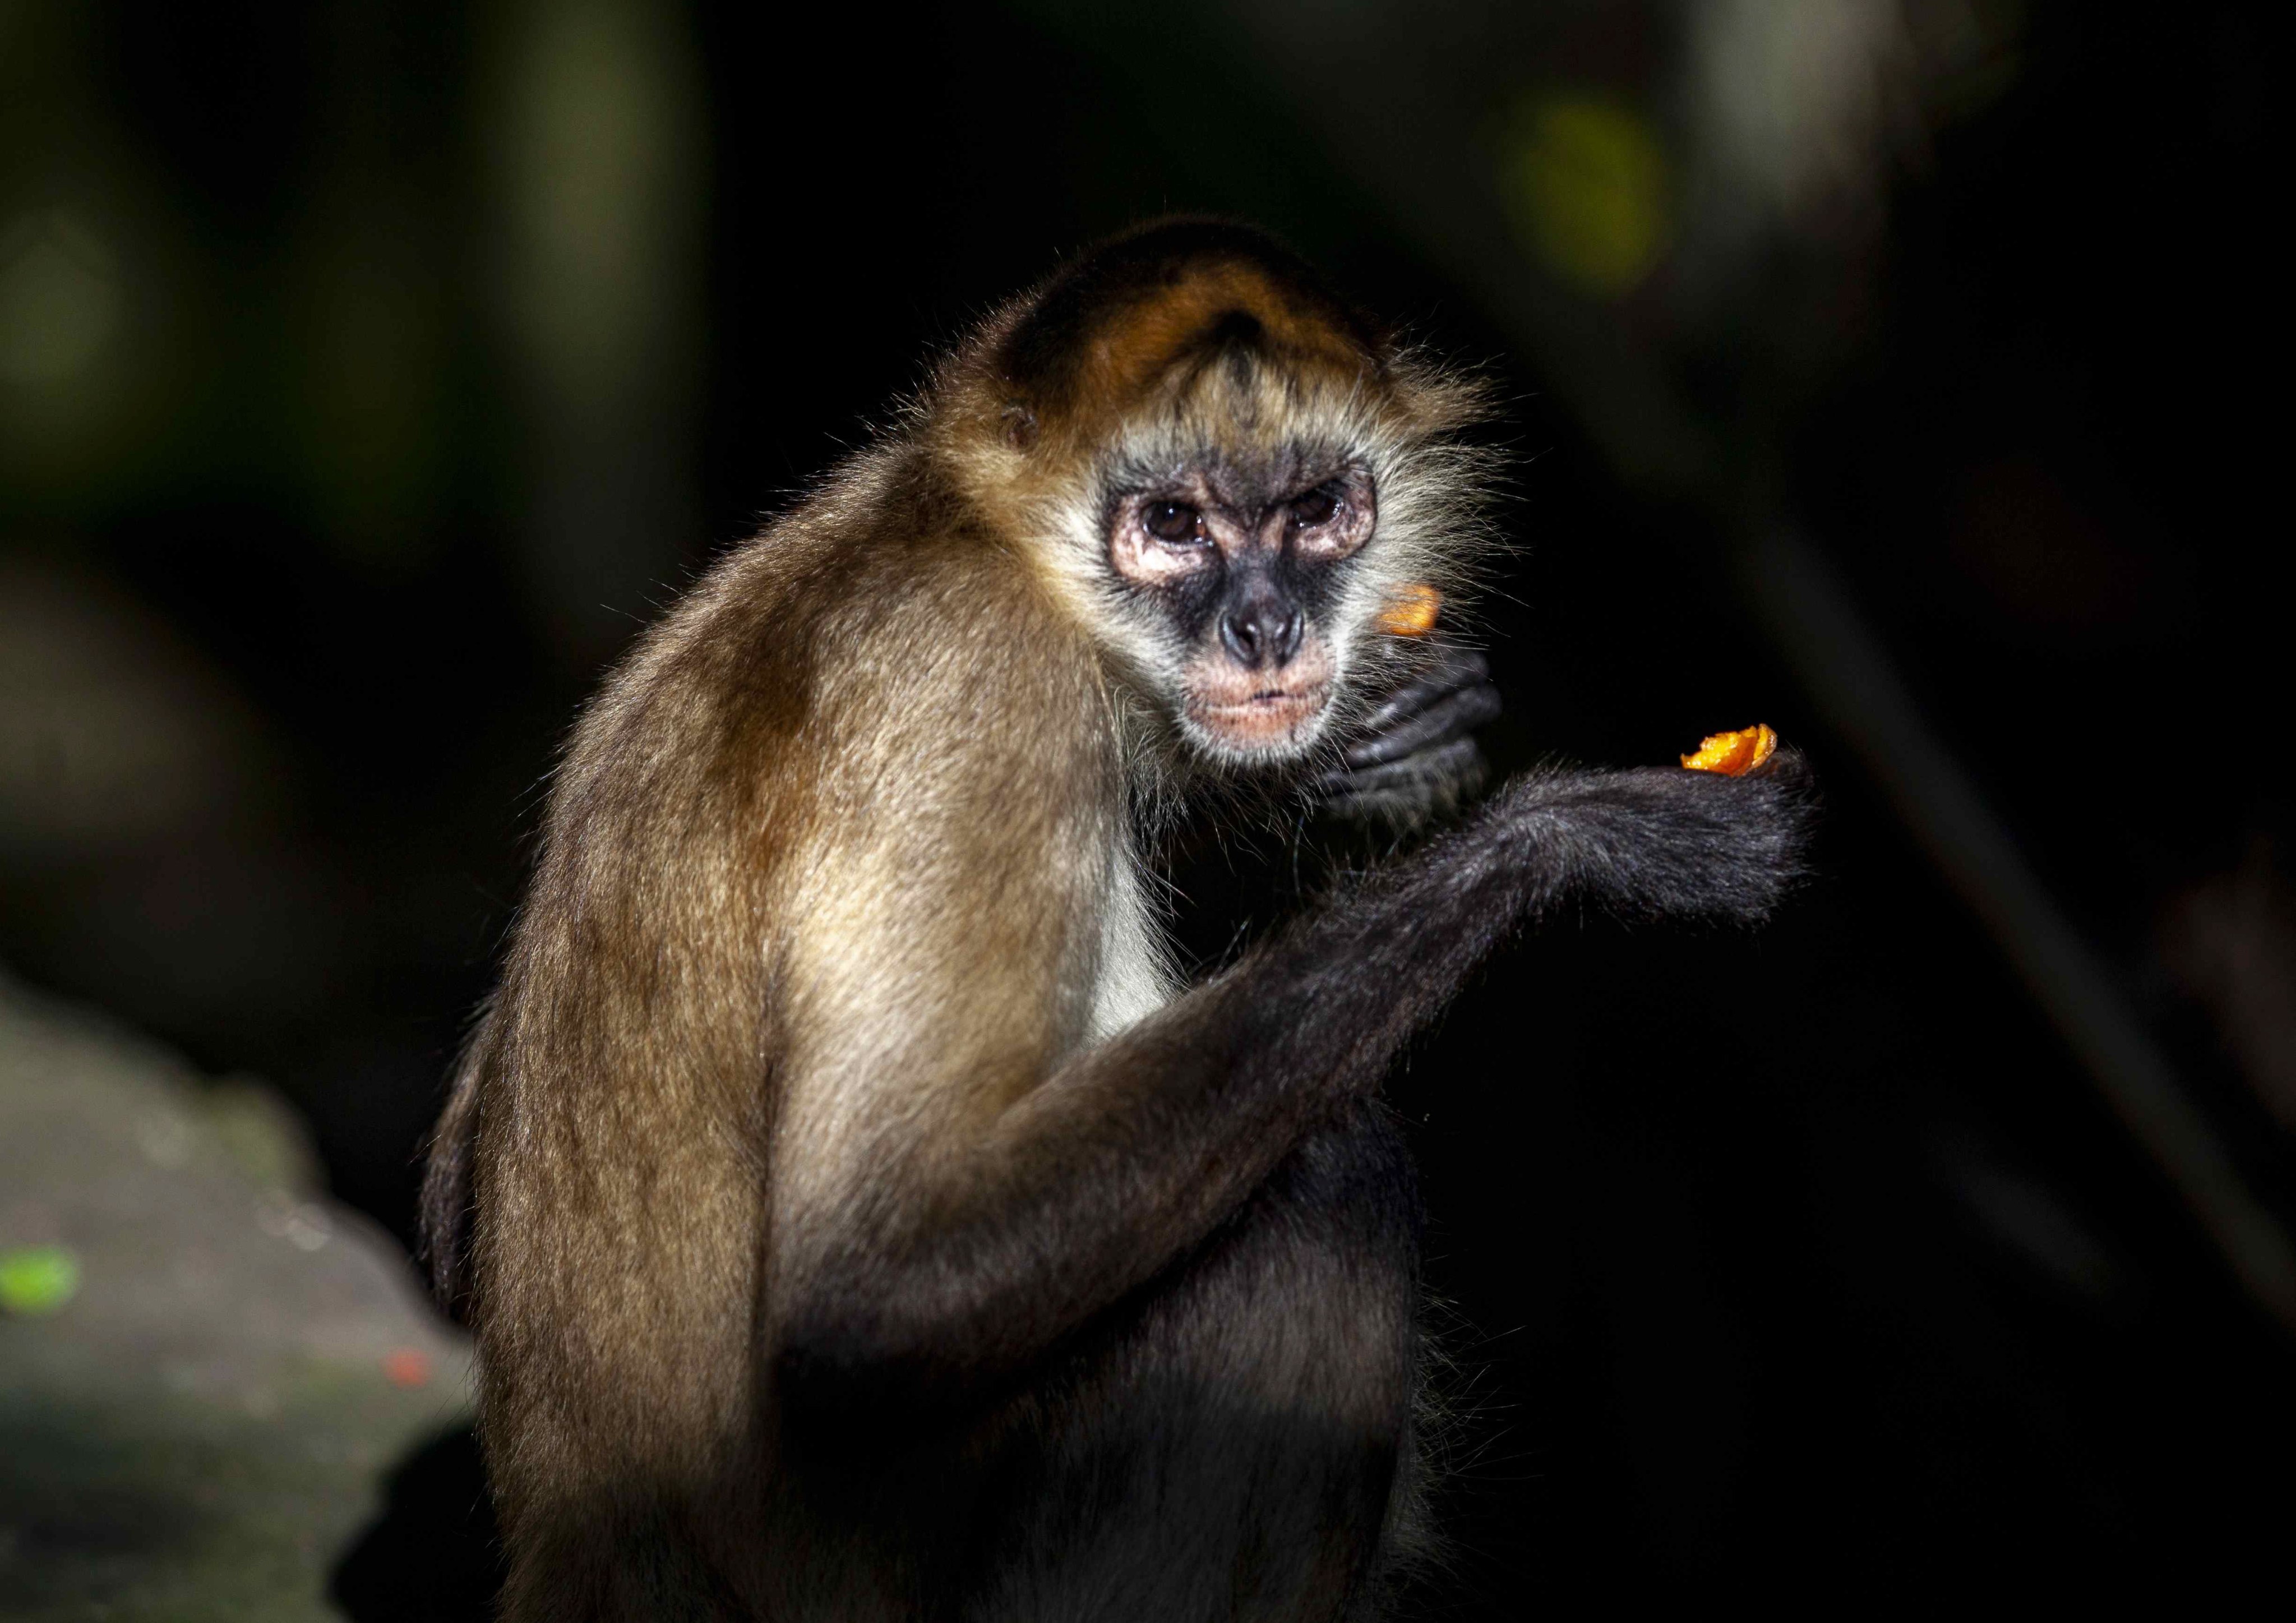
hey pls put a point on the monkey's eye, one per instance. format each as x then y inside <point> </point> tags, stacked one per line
<point>1172,522</point>
<point>1316,507</point>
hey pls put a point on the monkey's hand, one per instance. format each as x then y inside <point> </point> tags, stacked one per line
<point>1415,754</point>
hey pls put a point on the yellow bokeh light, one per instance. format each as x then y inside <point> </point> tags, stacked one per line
<point>1586,182</point>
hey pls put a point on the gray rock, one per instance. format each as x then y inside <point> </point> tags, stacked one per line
<point>200,1430</point>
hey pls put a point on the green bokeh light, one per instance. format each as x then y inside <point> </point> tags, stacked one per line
<point>37,1279</point>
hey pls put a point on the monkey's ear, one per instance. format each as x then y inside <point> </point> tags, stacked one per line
<point>1020,426</point>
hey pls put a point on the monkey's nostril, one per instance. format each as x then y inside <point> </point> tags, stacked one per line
<point>1262,633</point>
<point>1240,634</point>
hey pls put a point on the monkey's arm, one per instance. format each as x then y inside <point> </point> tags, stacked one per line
<point>1092,1182</point>
<point>1414,753</point>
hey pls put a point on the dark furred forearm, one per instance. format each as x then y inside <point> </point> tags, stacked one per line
<point>1135,1151</point>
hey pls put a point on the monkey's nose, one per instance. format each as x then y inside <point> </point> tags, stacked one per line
<point>1262,634</point>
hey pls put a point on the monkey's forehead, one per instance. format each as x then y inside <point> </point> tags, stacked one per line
<point>1236,473</point>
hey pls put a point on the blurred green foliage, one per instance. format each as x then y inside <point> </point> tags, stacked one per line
<point>1586,183</point>
<point>37,1281</point>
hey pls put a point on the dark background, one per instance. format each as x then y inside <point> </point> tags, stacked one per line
<point>1906,376</point>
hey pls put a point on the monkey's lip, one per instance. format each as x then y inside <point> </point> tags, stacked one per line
<point>1266,717</point>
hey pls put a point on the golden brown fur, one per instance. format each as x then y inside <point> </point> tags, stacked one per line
<point>727,900</point>
<point>859,1221</point>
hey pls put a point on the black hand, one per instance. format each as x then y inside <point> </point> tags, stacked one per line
<point>1416,753</point>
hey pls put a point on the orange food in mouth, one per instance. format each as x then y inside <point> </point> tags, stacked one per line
<point>1733,755</point>
<point>1410,611</point>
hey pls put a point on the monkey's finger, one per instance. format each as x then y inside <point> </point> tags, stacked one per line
<point>1456,668</point>
<point>1786,764</point>
<point>1454,762</point>
<point>1456,712</point>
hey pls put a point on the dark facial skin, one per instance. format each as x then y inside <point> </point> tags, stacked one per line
<point>1247,567</point>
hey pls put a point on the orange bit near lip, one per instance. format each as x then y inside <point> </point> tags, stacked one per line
<point>1733,755</point>
<point>1410,611</point>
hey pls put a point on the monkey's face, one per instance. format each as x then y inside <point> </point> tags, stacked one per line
<point>1244,574</point>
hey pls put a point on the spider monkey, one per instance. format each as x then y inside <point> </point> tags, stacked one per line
<point>857,1215</point>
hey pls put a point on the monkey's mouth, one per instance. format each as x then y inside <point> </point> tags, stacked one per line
<point>1269,719</point>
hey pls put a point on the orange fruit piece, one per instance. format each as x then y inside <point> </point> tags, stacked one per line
<point>1410,611</point>
<point>1733,755</point>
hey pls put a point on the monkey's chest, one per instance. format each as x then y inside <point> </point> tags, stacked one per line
<point>1228,1444</point>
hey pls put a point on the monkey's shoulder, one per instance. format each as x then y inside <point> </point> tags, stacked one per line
<point>871,617</point>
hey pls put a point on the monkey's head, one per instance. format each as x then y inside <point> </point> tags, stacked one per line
<point>1228,473</point>
<point>1236,577</point>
